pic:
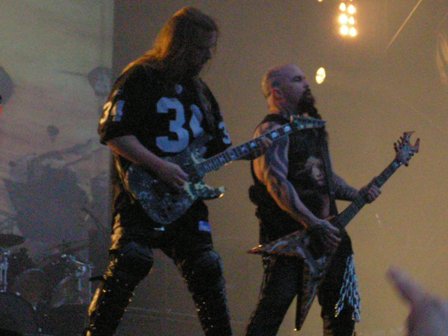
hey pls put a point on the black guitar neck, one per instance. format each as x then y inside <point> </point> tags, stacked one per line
<point>248,148</point>
<point>352,210</point>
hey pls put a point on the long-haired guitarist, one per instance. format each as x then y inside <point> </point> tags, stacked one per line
<point>295,189</point>
<point>156,109</point>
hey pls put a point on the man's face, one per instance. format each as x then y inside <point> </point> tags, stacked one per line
<point>296,89</point>
<point>201,51</point>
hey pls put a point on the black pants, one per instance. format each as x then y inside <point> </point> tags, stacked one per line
<point>282,281</point>
<point>131,260</point>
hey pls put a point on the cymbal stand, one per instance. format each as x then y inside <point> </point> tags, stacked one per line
<point>4,254</point>
<point>84,271</point>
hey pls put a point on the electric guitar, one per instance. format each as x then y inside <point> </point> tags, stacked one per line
<point>302,245</point>
<point>164,205</point>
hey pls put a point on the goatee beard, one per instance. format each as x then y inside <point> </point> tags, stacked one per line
<point>306,105</point>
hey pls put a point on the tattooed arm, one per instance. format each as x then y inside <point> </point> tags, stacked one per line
<point>343,190</point>
<point>272,170</point>
<point>346,192</point>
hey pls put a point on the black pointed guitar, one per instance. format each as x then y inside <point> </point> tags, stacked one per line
<point>163,205</point>
<point>301,244</point>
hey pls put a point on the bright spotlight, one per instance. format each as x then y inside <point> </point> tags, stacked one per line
<point>351,9</point>
<point>346,19</point>
<point>343,19</point>
<point>353,32</point>
<point>321,74</point>
<point>344,30</point>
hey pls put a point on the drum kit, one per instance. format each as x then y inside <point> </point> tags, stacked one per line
<point>36,298</point>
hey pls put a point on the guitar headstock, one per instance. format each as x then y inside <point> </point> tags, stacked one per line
<point>306,122</point>
<point>404,149</point>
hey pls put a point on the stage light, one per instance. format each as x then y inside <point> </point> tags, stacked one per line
<point>351,9</point>
<point>343,19</point>
<point>344,30</point>
<point>346,19</point>
<point>353,32</point>
<point>321,74</point>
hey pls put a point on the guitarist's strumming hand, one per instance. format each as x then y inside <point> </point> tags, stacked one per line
<point>172,175</point>
<point>326,233</point>
<point>129,147</point>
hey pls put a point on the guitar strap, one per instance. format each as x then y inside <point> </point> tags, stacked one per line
<point>328,172</point>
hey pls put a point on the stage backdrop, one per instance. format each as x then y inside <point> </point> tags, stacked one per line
<point>55,70</point>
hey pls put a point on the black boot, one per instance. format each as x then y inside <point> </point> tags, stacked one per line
<point>212,311</point>
<point>127,267</point>
<point>204,276</point>
<point>108,306</point>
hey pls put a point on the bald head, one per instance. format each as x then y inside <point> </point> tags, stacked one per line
<point>276,77</point>
<point>286,90</point>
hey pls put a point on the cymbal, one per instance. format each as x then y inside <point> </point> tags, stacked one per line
<point>9,240</point>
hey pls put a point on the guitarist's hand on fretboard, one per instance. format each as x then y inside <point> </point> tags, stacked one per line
<point>370,192</point>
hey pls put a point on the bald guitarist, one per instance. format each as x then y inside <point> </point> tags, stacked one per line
<point>295,189</point>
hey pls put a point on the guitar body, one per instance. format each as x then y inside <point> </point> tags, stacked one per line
<point>160,202</point>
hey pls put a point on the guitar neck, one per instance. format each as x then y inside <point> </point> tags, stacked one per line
<point>352,210</point>
<point>248,148</point>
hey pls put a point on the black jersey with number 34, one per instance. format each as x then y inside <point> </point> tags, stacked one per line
<point>164,119</point>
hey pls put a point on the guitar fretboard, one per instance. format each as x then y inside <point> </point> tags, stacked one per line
<point>348,213</point>
<point>238,152</point>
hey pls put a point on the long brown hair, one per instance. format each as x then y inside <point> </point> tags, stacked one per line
<point>173,43</point>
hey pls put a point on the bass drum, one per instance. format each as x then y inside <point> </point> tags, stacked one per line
<point>16,315</point>
<point>33,286</point>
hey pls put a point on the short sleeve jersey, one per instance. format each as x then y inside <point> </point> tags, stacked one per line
<point>164,120</point>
